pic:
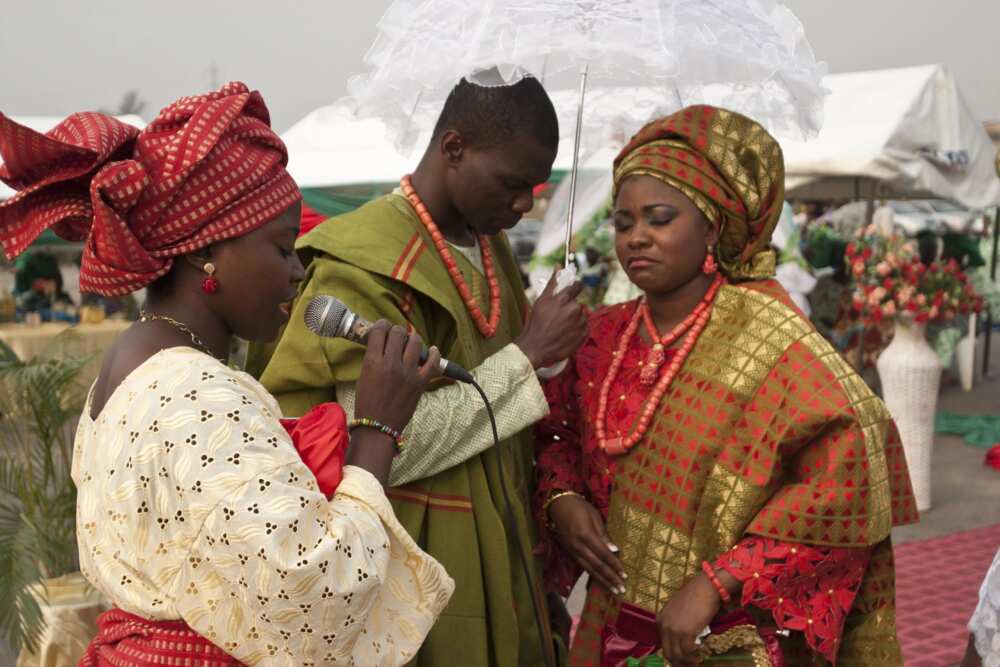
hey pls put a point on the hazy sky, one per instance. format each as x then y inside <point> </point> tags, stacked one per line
<point>62,56</point>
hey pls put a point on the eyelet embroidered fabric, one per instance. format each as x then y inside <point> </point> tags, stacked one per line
<point>193,504</point>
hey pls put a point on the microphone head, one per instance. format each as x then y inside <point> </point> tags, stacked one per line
<point>324,315</point>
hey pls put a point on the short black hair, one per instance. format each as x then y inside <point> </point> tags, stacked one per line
<point>488,116</point>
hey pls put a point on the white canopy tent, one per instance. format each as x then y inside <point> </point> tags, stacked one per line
<point>46,123</point>
<point>892,133</point>
<point>895,133</point>
<point>332,147</point>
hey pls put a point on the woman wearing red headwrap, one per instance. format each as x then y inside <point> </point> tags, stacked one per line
<point>217,532</point>
<point>709,458</point>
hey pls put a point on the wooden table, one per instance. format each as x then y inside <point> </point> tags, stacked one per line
<point>80,339</point>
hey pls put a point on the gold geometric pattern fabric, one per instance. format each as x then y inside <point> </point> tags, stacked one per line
<point>763,431</point>
<point>749,332</point>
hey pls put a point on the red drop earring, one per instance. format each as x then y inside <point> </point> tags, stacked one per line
<point>210,285</point>
<point>710,267</point>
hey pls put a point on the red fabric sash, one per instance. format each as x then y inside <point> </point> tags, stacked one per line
<point>126,640</point>
<point>320,436</point>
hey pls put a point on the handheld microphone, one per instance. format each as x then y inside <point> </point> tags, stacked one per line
<point>327,316</point>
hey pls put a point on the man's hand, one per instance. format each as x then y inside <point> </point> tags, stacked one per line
<point>556,326</point>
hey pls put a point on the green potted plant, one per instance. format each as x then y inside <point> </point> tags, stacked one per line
<point>40,400</point>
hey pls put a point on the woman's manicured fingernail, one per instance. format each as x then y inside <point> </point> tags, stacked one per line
<point>613,547</point>
<point>623,575</point>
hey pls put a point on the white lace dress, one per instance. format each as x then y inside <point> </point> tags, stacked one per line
<point>194,504</point>
<point>985,622</point>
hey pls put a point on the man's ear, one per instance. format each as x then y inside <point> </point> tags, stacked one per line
<point>452,147</point>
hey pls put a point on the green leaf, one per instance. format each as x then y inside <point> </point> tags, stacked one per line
<point>39,399</point>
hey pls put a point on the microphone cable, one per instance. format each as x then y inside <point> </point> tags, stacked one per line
<point>548,651</point>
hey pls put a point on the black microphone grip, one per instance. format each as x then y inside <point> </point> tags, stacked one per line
<point>449,368</point>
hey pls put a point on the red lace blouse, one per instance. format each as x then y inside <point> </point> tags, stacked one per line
<point>806,588</point>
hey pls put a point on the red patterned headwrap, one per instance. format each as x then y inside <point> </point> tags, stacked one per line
<point>729,167</point>
<point>209,167</point>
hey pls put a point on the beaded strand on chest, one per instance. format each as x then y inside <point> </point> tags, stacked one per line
<point>693,325</point>
<point>487,327</point>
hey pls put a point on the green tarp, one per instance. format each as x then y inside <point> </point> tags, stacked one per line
<point>978,430</point>
<point>339,200</point>
<point>334,201</point>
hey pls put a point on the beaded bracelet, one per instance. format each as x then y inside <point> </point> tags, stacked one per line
<point>723,593</point>
<point>367,422</point>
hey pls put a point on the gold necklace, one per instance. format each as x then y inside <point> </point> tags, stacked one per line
<point>198,342</point>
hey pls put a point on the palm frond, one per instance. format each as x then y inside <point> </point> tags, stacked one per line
<point>7,356</point>
<point>39,399</point>
<point>21,620</point>
<point>12,478</point>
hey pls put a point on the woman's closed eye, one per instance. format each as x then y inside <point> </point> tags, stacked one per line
<point>622,222</point>
<point>660,215</point>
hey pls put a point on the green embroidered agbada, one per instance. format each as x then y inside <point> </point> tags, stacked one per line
<point>380,261</point>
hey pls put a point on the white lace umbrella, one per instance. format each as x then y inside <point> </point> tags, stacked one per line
<point>750,56</point>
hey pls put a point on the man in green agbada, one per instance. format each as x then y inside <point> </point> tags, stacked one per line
<point>491,147</point>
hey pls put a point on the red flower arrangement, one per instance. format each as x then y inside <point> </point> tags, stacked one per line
<point>890,280</point>
<point>993,457</point>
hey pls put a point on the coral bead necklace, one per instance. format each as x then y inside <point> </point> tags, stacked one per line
<point>657,351</point>
<point>487,327</point>
<point>693,325</point>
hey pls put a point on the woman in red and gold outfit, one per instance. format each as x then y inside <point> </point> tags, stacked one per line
<point>709,458</point>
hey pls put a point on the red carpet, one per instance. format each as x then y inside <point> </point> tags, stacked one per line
<point>937,586</point>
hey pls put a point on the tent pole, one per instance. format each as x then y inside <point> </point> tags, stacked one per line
<point>993,277</point>
<point>870,206</point>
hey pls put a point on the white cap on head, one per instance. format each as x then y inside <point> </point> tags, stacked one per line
<point>498,76</point>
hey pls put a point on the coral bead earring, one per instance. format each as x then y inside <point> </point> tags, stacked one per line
<point>210,285</point>
<point>710,267</point>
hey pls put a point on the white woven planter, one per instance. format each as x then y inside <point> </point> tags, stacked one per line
<point>965,355</point>
<point>911,374</point>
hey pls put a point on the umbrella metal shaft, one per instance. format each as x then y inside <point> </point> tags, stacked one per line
<point>576,162</point>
